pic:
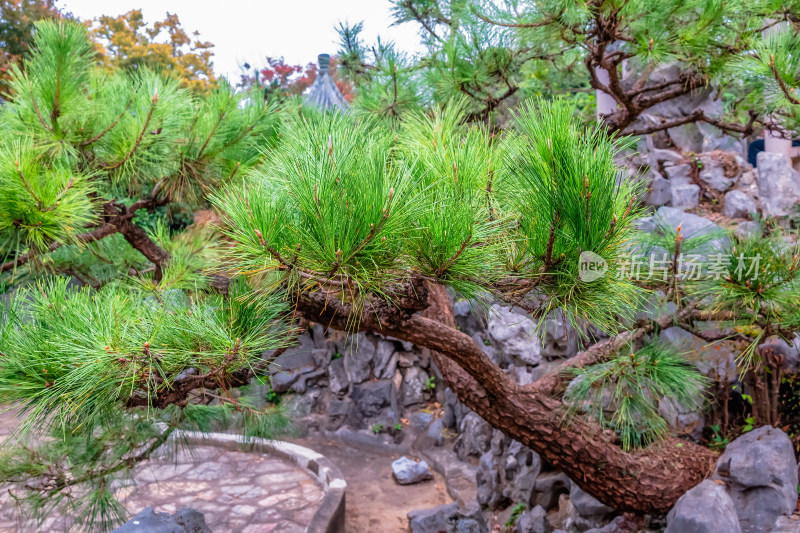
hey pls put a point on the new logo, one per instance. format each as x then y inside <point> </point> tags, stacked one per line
<point>591,267</point>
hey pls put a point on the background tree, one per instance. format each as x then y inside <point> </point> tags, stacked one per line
<point>644,56</point>
<point>128,42</point>
<point>279,80</point>
<point>17,19</point>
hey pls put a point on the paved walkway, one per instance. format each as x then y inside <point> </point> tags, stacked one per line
<point>236,491</point>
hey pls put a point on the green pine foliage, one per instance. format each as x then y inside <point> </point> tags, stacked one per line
<point>496,54</point>
<point>77,136</point>
<point>568,196</point>
<point>75,357</point>
<point>329,204</point>
<point>773,69</point>
<point>454,165</point>
<point>756,288</point>
<point>624,393</point>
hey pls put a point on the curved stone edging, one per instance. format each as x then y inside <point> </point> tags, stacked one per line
<point>329,517</point>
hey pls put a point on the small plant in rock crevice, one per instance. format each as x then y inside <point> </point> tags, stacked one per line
<point>516,512</point>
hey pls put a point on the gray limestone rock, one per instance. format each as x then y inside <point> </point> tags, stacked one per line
<point>408,471</point>
<point>685,196</point>
<point>533,521</point>
<point>706,508</point>
<point>760,471</point>
<point>513,334</point>
<point>778,185</point>
<point>738,205</point>
<point>372,397</point>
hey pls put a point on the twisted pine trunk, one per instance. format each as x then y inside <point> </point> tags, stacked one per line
<point>643,481</point>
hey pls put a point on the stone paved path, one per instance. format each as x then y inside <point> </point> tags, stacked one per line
<point>236,491</point>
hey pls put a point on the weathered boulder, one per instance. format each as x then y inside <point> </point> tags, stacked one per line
<point>549,486</point>
<point>384,362</point>
<point>285,380</point>
<point>760,471</point>
<point>748,183</point>
<point>679,174</point>
<point>560,340</point>
<point>716,361</point>
<point>447,518</point>
<point>685,196</point>
<point>182,521</point>
<point>414,380</point>
<point>706,508</point>
<point>408,471</point>
<point>532,521</point>
<point>681,420</point>
<point>339,410</point>
<point>454,410</point>
<point>420,420</point>
<point>668,156</point>
<point>787,524</point>
<point>586,505</point>
<point>720,170</point>
<point>513,334</point>
<point>475,437</point>
<point>337,377</point>
<point>660,192</point>
<point>738,205</point>
<point>584,511</point>
<point>359,351</point>
<point>297,356</point>
<point>778,184</point>
<point>436,433</point>
<point>521,469</point>
<point>373,396</point>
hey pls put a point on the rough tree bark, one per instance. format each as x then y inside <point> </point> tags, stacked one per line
<point>643,481</point>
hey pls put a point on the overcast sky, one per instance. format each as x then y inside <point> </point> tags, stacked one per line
<point>249,30</point>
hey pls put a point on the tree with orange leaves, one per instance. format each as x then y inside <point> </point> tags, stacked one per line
<point>129,43</point>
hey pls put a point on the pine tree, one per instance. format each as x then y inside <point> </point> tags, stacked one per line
<point>654,53</point>
<point>349,220</point>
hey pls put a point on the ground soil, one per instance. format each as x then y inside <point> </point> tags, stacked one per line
<point>375,502</point>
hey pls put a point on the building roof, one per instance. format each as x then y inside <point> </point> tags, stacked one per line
<point>323,93</point>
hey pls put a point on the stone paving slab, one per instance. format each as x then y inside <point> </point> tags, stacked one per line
<point>235,490</point>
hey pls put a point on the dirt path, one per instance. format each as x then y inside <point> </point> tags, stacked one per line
<point>375,502</point>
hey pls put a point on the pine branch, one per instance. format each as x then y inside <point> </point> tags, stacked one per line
<point>450,262</point>
<point>95,235</point>
<point>555,381</point>
<point>110,126</point>
<point>153,102</point>
<point>211,134</point>
<point>787,92</point>
<point>484,18</point>
<point>39,113</point>
<point>177,392</point>
<point>117,217</point>
<point>59,482</point>
<point>28,185</point>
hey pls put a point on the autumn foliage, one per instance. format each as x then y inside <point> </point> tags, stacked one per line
<point>129,43</point>
<point>281,79</point>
